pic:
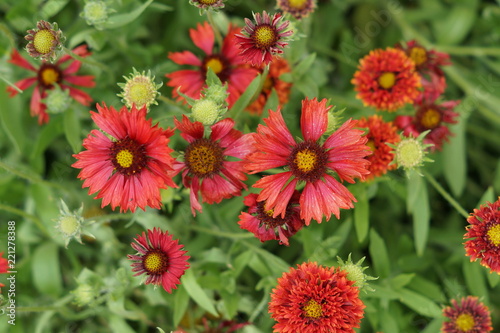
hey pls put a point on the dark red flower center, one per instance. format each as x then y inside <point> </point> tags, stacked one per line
<point>312,309</point>
<point>428,118</point>
<point>128,156</point>
<point>204,157</point>
<point>264,36</point>
<point>308,161</point>
<point>265,216</point>
<point>49,74</point>
<point>155,262</point>
<point>218,64</point>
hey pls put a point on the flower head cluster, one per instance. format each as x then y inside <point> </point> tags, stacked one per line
<point>96,13</point>
<point>139,89</point>
<point>44,41</point>
<point>205,5</point>
<point>467,316</point>
<point>315,299</point>
<point>483,234</point>
<point>297,8</point>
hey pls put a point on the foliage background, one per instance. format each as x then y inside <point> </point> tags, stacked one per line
<point>409,232</point>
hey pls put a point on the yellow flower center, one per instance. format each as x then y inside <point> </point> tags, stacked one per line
<point>464,322</point>
<point>49,76</point>
<point>124,158</point>
<point>215,65</point>
<point>155,262</point>
<point>312,309</point>
<point>387,80</point>
<point>371,144</point>
<point>297,4</point>
<point>207,2</point>
<point>264,36</point>
<point>430,118</point>
<point>494,235</point>
<point>409,153</point>
<point>43,41</point>
<point>305,160</point>
<point>140,93</point>
<point>203,157</point>
<point>418,55</point>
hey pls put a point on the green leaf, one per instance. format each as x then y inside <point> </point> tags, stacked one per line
<point>475,279</point>
<point>252,90</point>
<point>329,248</point>
<point>493,279</point>
<point>303,66</point>
<point>181,302</point>
<point>361,213</point>
<point>455,168</point>
<point>453,28</point>
<point>308,86</point>
<point>401,280</point>
<point>48,134</point>
<point>12,122</point>
<point>488,196</point>
<point>52,7</point>
<point>272,101</point>
<point>418,201</point>
<point>72,130</point>
<point>419,303</point>
<point>119,20</point>
<point>379,255</point>
<point>434,326</point>
<point>231,301</point>
<point>46,271</point>
<point>118,324</point>
<point>197,293</point>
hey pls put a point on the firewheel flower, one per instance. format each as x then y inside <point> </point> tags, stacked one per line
<point>44,41</point>
<point>206,167</point>
<point>261,40</point>
<point>379,133</point>
<point>46,78</point>
<point>297,8</point>
<point>229,66</point>
<point>470,316</point>
<point>130,164</point>
<point>315,299</point>
<point>386,79</point>
<point>160,258</point>
<point>3,266</point>
<point>311,161</point>
<point>483,236</point>
<point>264,226</point>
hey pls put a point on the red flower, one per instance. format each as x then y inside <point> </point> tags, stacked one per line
<point>484,236</point>
<point>227,64</point>
<point>386,79</point>
<point>309,161</point>
<point>277,67</point>
<point>49,74</point>
<point>205,168</point>
<point>298,9</point>
<point>160,258</point>
<point>129,169</point>
<point>315,299</point>
<point>3,266</point>
<point>430,116</point>
<point>471,316</point>
<point>267,37</point>
<point>264,226</point>
<point>379,134</point>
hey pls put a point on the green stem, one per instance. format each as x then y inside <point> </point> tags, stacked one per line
<point>33,218</point>
<point>218,36</point>
<point>11,84</point>
<point>470,50</point>
<point>222,233</point>
<point>30,178</point>
<point>445,194</point>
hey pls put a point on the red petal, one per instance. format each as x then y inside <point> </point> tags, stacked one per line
<point>203,37</point>
<point>184,58</point>
<point>314,118</point>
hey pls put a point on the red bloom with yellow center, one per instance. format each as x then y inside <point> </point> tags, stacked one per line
<point>310,161</point>
<point>264,226</point>
<point>229,66</point>
<point>470,316</point>
<point>315,299</point>
<point>160,258</point>
<point>206,168</point>
<point>261,40</point>
<point>297,8</point>
<point>430,116</point>
<point>379,133</point>
<point>47,75</point>
<point>131,164</point>
<point>277,67</point>
<point>386,79</point>
<point>484,236</point>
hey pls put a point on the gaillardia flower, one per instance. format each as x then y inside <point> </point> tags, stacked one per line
<point>431,117</point>
<point>4,266</point>
<point>311,161</point>
<point>297,8</point>
<point>139,89</point>
<point>470,316</point>
<point>379,133</point>
<point>44,41</point>
<point>264,226</point>
<point>160,258</point>
<point>206,167</point>
<point>386,79</point>
<point>208,4</point>
<point>130,164</point>
<point>229,66</point>
<point>315,299</point>
<point>261,40</point>
<point>47,75</point>
<point>484,236</point>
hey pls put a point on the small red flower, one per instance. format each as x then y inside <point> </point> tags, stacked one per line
<point>160,258</point>
<point>470,316</point>
<point>484,236</point>
<point>129,168</point>
<point>379,133</point>
<point>261,40</point>
<point>311,161</point>
<point>205,168</point>
<point>47,75</point>
<point>3,266</point>
<point>315,299</point>
<point>297,8</point>
<point>264,226</point>
<point>227,64</point>
<point>386,79</point>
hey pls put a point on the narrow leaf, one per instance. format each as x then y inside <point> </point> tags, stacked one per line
<point>252,90</point>
<point>72,130</point>
<point>197,293</point>
<point>120,20</point>
<point>361,213</point>
<point>304,65</point>
<point>46,271</point>
<point>419,303</point>
<point>421,211</point>
<point>475,279</point>
<point>379,255</point>
<point>455,168</point>
<point>181,302</point>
